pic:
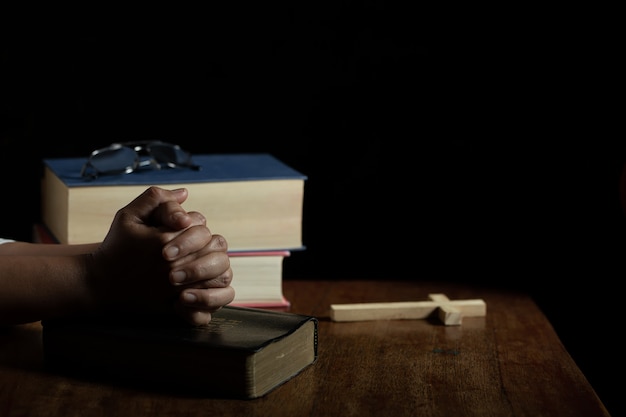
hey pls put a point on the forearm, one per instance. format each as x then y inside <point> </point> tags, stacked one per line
<point>42,287</point>
<point>46,249</point>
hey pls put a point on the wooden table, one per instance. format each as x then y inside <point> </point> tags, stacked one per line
<point>509,363</point>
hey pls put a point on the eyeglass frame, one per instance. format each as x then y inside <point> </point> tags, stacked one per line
<point>140,148</point>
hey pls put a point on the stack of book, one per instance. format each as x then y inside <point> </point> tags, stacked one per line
<point>254,200</point>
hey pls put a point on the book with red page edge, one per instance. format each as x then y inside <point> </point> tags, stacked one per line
<point>273,284</point>
<point>284,305</point>
<point>257,279</point>
<point>41,234</point>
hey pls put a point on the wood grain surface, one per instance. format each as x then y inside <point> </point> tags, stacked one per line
<point>508,363</point>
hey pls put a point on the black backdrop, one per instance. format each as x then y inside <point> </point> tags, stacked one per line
<point>435,148</point>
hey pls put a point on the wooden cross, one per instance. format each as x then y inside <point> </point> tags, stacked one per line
<point>451,312</point>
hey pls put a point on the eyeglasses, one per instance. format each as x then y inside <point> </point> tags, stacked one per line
<point>127,157</point>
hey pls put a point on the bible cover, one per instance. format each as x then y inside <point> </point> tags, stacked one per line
<point>242,353</point>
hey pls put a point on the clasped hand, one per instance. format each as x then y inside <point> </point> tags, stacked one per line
<point>157,257</point>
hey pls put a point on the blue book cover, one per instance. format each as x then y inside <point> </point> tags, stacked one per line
<point>213,168</point>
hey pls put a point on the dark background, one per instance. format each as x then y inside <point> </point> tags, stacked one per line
<point>437,144</point>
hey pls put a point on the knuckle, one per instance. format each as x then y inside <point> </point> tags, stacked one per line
<point>219,242</point>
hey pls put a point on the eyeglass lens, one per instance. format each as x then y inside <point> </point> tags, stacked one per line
<point>114,160</point>
<point>167,153</point>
